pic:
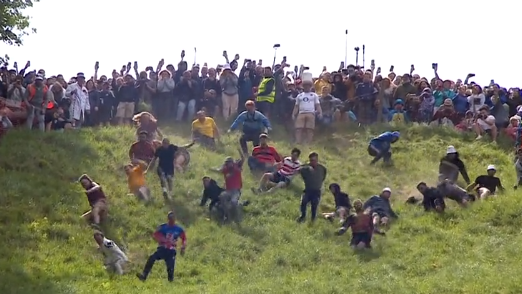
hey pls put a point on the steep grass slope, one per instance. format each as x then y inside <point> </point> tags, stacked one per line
<point>47,249</point>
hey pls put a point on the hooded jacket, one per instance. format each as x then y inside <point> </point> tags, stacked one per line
<point>450,168</point>
<point>383,141</point>
<point>341,199</point>
<point>211,192</point>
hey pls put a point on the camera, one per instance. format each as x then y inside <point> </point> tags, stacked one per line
<point>356,49</point>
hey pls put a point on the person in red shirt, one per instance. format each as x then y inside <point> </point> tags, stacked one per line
<point>143,149</point>
<point>264,157</point>
<point>97,200</point>
<point>229,199</point>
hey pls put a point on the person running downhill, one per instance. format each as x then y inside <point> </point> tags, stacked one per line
<point>136,179</point>
<point>115,258</point>
<point>282,177</point>
<point>232,172</point>
<point>380,147</point>
<point>97,200</point>
<point>167,236</point>
<point>166,154</point>
<point>313,174</point>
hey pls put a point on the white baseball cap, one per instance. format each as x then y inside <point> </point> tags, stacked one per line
<point>451,149</point>
<point>386,190</point>
<point>491,167</point>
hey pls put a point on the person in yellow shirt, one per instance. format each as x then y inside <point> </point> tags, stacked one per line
<point>136,179</point>
<point>205,130</point>
<point>323,81</point>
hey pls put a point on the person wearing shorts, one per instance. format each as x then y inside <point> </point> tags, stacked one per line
<point>486,185</point>
<point>125,110</point>
<point>306,106</point>
<point>97,200</point>
<point>283,176</point>
<point>362,227</point>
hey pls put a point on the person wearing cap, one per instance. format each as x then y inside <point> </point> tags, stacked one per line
<point>115,258</point>
<point>229,92</point>
<point>445,115</point>
<point>266,92</point>
<point>36,98</point>
<point>313,174</point>
<point>79,96</point>
<point>486,185</point>
<point>432,198</point>
<point>380,209</point>
<point>253,124</point>
<point>397,116</point>
<point>143,149</point>
<point>232,173</point>
<point>264,157</point>
<point>167,236</point>
<point>451,165</point>
<point>307,106</point>
<point>380,147</point>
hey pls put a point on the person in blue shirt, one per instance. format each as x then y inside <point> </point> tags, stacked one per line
<point>253,122</point>
<point>398,115</point>
<point>166,235</point>
<point>380,147</point>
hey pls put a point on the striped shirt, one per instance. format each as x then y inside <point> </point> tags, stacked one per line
<point>290,167</point>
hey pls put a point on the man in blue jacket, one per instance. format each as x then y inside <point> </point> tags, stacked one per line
<point>380,146</point>
<point>253,122</point>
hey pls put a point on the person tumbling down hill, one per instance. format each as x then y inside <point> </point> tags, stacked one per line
<point>97,200</point>
<point>282,177</point>
<point>253,123</point>
<point>147,122</point>
<point>211,191</point>
<point>451,165</point>
<point>342,204</point>
<point>486,185</point>
<point>361,225</point>
<point>143,149</point>
<point>380,147</point>
<point>136,179</point>
<point>264,157</point>
<point>115,258</point>
<point>205,130</point>
<point>381,210</point>
<point>454,192</point>
<point>432,198</point>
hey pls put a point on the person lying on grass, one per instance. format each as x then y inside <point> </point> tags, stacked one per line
<point>380,147</point>
<point>136,179</point>
<point>381,210</point>
<point>287,169</point>
<point>97,201</point>
<point>115,258</point>
<point>362,226</point>
<point>455,193</point>
<point>432,198</point>
<point>342,204</point>
<point>212,191</point>
<point>486,185</point>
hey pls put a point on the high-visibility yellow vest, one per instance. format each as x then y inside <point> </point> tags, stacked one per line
<point>268,98</point>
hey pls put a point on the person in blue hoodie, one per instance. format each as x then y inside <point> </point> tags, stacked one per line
<point>253,122</point>
<point>380,146</point>
<point>398,116</point>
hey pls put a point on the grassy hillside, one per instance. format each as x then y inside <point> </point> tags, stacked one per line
<point>47,249</point>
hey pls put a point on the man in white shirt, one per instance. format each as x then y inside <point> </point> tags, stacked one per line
<point>306,106</point>
<point>485,124</point>
<point>79,96</point>
<point>115,259</point>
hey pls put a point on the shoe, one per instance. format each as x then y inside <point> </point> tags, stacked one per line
<point>300,219</point>
<point>245,203</point>
<point>329,218</point>
<point>341,231</point>
<point>141,277</point>
<point>479,137</point>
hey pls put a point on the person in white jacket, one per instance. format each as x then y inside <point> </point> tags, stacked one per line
<point>79,96</point>
<point>115,258</point>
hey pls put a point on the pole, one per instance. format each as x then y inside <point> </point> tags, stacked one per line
<point>357,58</point>
<point>195,52</point>
<point>275,56</point>
<point>364,47</point>
<point>346,48</point>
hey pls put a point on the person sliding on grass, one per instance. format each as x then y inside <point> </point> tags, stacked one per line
<point>313,174</point>
<point>264,157</point>
<point>432,198</point>
<point>381,210</point>
<point>361,225</point>
<point>380,147</point>
<point>166,154</point>
<point>486,185</point>
<point>115,259</point>
<point>454,192</point>
<point>136,179</point>
<point>167,236</point>
<point>97,201</point>
<point>450,166</point>
<point>212,191</point>
<point>290,166</point>
<point>342,204</point>
<point>232,173</point>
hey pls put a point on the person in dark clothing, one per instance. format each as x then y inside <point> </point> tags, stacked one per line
<point>342,204</point>
<point>451,165</point>
<point>380,208</point>
<point>106,105</point>
<point>380,147</point>
<point>454,192</point>
<point>486,185</point>
<point>362,227</point>
<point>313,174</point>
<point>211,191</point>
<point>432,198</point>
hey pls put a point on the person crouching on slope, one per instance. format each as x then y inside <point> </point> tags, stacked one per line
<point>451,165</point>
<point>380,147</point>
<point>97,200</point>
<point>342,204</point>
<point>136,179</point>
<point>115,258</point>
<point>361,225</point>
<point>380,209</point>
<point>167,236</point>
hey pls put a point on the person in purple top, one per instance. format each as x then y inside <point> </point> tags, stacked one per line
<point>166,235</point>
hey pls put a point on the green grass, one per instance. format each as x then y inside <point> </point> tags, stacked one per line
<point>46,248</point>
